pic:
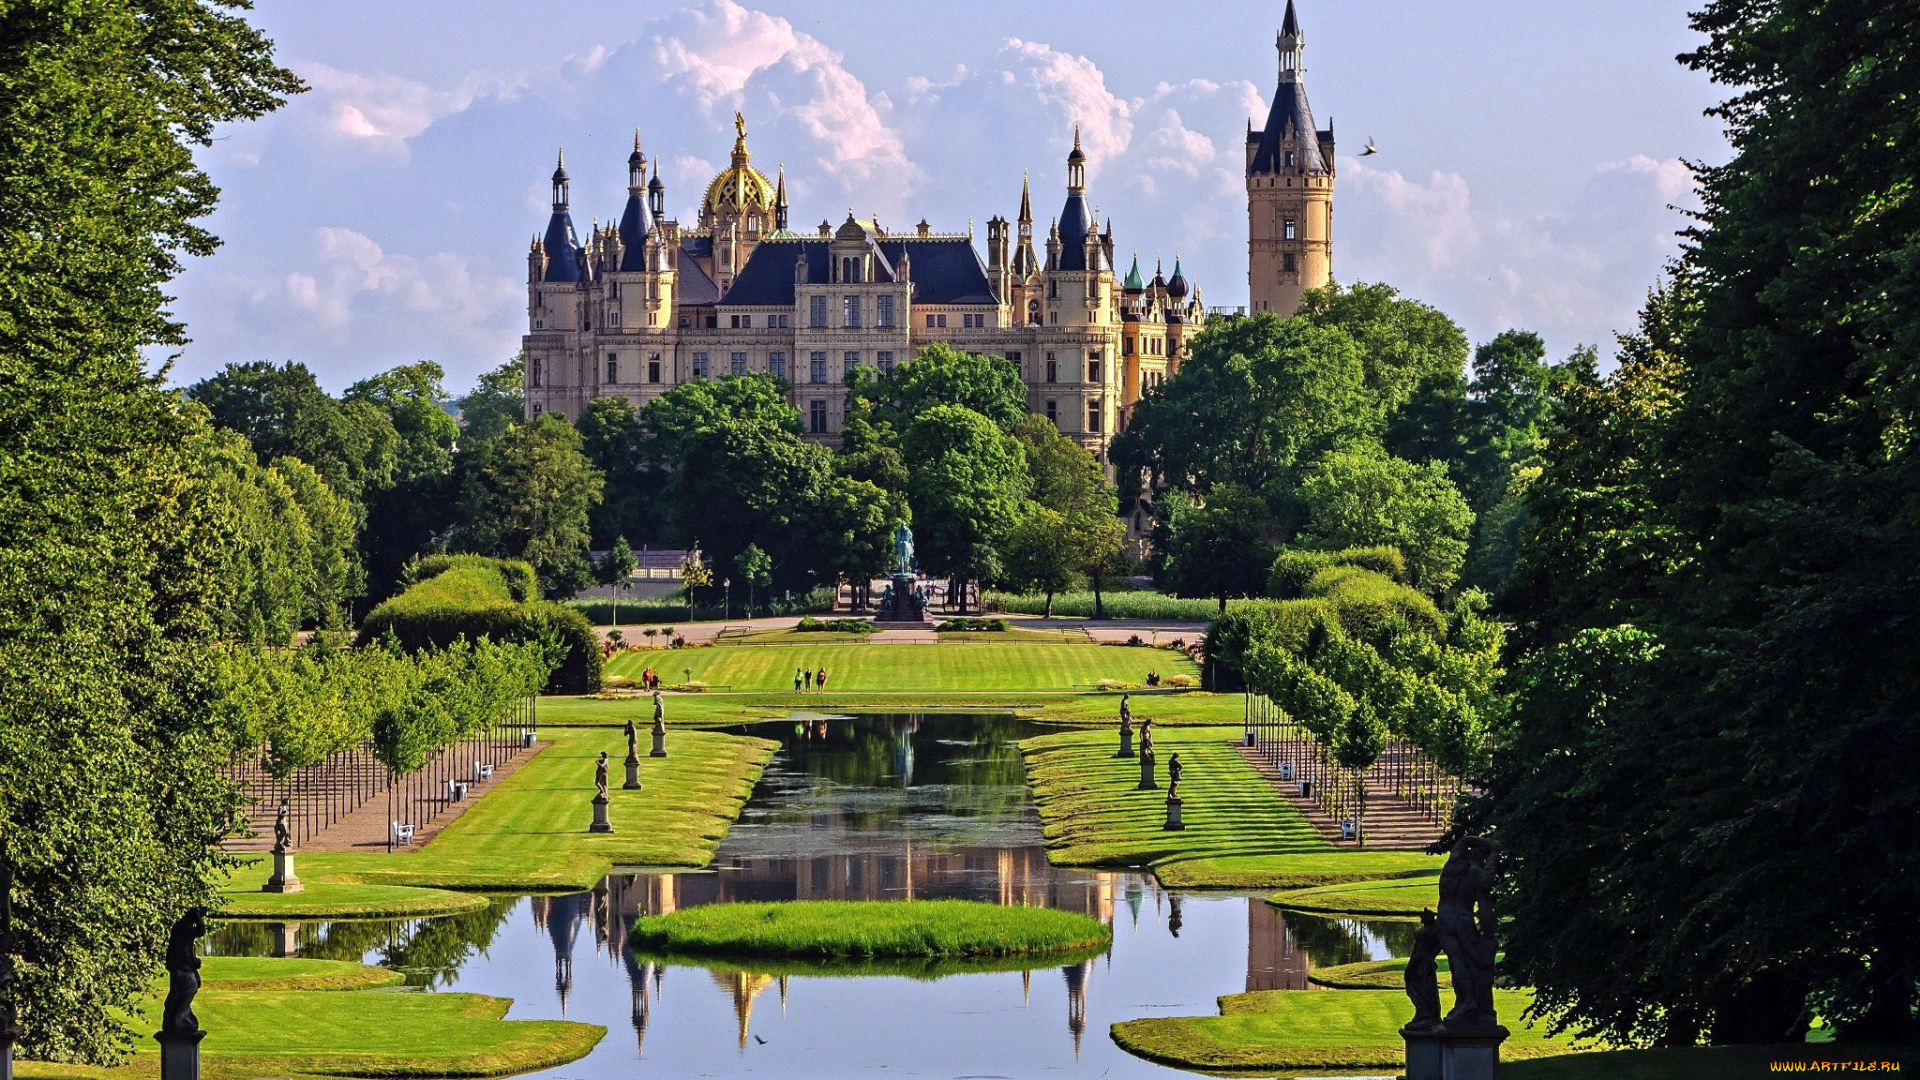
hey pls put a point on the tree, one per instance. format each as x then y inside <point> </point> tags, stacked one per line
<point>968,481</point>
<point>1365,497</point>
<point>613,570</point>
<point>852,525</point>
<point>333,571</point>
<point>615,440</point>
<point>1404,344</point>
<point>1038,554</point>
<point>410,513</point>
<point>1741,737</point>
<point>1099,541</point>
<point>695,573</point>
<point>756,571</point>
<point>283,412</point>
<point>746,481</point>
<point>1220,548</point>
<point>940,375</point>
<point>113,531</point>
<point>496,402</point>
<point>527,495</point>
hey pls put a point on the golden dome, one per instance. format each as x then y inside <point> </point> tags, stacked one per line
<point>740,188</point>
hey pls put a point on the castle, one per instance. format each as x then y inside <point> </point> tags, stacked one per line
<point>647,304</point>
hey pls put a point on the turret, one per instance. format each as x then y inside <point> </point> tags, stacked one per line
<point>1290,179</point>
<point>562,245</point>
<point>657,194</point>
<point>1076,217</point>
<point>636,221</point>
<point>1025,262</point>
<point>1053,246</point>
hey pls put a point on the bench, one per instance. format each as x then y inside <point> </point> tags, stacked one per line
<point>402,834</point>
<point>1286,770</point>
<point>1348,830</point>
<point>456,790</point>
<point>482,771</point>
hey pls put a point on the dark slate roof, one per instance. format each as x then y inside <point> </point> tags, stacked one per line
<point>635,224</point>
<point>943,271</point>
<point>1291,117</point>
<point>696,288</point>
<point>1075,219</point>
<point>560,242</point>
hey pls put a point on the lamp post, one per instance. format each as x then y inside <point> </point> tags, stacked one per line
<point>726,604</point>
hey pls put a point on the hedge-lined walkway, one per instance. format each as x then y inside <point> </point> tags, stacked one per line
<point>1240,834</point>
<point>530,833</point>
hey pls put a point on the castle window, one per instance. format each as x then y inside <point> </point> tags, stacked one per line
<point>818,309</point>
<point>613,316</point>
<point>537,408</point>
<point>699,365</point>
<point>1288,263</point>
<point>613,368</point>
<point>1053,317</point>
<point>782,318</point>
<point>653,368</point>
<point>739,363</point>
<point>1015,357</point>
<point>1033,312</point>
<point>613,290</point>
<point>1093,416</point>
<point>850,312</point>
<point>817,416</point>
<point>777,365</point>
<point>849,363</point>
<point>1053,413</point>
<point>1126,347</point>
<point>850,271</point>
<point>817,368</point>
<point>1093,367</point>
<point>885,362</point>
<point>1290,159</point>
<point>1053,369</point>
<point>883,311</point>
<point>1291,232</point>
<point>535,372</point>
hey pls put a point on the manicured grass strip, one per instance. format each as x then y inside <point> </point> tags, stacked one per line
<point>529,834</point>
<point>329,900</point>
<point>1371,975</point>
<point>863,668</point>
<point>1240,832</point>
<point>1395,898</point>
<point>233,973</point>
<point>1707,1062</point>
<point>896,968</point>
<point>1283,1030</point>
<point>1085,708</point>
<point>869,929</point>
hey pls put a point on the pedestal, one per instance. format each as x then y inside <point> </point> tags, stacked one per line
<point>180,1054</point>
<point>283,879</point>
<point>1454,1055</point>
<point>1126,742</point>
<point>286,940</point>
<point>600,822</point>
<point>633,774</point>
<point>1174,824</point>
<point>659,741</point>
<point>1146,774</point>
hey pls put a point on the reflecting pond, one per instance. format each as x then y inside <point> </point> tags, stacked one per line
<point>868,807</point>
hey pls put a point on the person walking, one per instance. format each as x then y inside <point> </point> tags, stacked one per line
<point>808,672</point>
<point>796,680</point>
<point>820,680</point>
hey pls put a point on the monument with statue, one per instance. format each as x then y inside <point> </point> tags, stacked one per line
<point>1465,1043</point>
<point>903,604</point>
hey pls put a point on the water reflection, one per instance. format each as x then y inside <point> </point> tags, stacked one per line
<point>860,808</point>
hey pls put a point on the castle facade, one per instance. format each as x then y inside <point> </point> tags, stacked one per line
<point>647,304</point>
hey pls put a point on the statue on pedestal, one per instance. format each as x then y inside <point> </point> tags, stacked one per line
<point>1465,929</point>
<point>282,830</point>
<point>600,777</point>
<point>633,743</point>
<point>183,973</point>
<point>1173,777</point>
<point>1423,974</point>
<point>903,550</point>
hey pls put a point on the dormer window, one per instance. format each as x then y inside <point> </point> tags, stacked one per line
<point>1290,159</point>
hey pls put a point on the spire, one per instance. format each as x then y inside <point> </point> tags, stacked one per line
<point>1290,26</point>
<point>1177,284</point>
<point>561,243</point>
<point>636,167</point>
<point>1290,140</point>
<point>780,200</point>
<point>1026,202</point>
<point>560,181</point>
<point>1076,165</point>
<point>637,219</point>
<point>1134,282</point>
<point>1293,46</point>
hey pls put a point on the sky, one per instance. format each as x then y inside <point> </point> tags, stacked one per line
<point>1531,154</point>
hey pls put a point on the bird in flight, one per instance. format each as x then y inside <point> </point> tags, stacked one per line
<point>1371,149</point>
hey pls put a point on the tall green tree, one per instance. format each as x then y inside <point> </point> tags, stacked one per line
<point>497,401</point>
<point>1366,497</point>
<point>1757,714</point>
<point>1221,548</point>
<point>755,568</point>
<point>940,375</point>
<point>527,495</point>
<point>967,484</point>
<point>411,512</point>
<point>616,441</point>
<point>1037,554</point>
<point>112,525</point>
<point>1404,344</point>
<point>613,570</point>
<point>283,412</point>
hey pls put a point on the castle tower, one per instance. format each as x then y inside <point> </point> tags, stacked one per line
<point>1289,190</point>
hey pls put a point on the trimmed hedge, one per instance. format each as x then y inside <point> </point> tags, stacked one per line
<point>1293,572</point>
<point>986,626</point>
<point>835,626</point>
<point>470,596</point>
<point>1364,603</point>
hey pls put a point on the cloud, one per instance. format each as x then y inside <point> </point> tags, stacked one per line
<point>382,111</point>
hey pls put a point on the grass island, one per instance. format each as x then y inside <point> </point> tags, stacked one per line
<point>860,930</point>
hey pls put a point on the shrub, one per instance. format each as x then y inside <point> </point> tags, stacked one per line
<point>1177,680</point>
<point>835,626</point>
<point>472,597</point>
<point>1118,605</point>
<point>1294,570</point>
<point>1367,603</point>
<point>982,626</point>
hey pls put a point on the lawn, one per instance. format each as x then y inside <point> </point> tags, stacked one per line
<point>1283,1030</point>
<point>275,1017</point>
<point>1394,898</point>
<point>1708,1062</point>
<point>1085,708</point>
<point>1240,834</point>
<point>865,668</point>
<point>869,929</point>
<point>1373,975</point>
<point>530,833</point>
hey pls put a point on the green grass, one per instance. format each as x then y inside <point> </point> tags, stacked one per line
<point>1704,1062</point>
<point>893,968</point>
<point>284,1017</point>
<point>867,668</point>
<point>1154,606</point>
<point>233,973</point>
<point>1403,897</point>
<point>327,899</point>
<point>1372,975</point>
<point>1284,1030</point>
<point>530,833</point>
<point>1240,834</point>
<point>1081,709</point>
<point>869,929</point>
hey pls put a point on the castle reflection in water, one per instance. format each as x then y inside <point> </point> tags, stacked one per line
<point>1004,875</point>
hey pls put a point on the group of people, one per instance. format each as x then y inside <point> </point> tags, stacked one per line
<point>650,679</point>
<point>804,679</point>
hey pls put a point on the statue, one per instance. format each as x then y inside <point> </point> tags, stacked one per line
<point>1465,926</point>
<point>282,830</point>
<point>1126,712</point>
<point>1173,776</point>
<point>903,550</point>
<point>633,741</point>
<point>1146,737</point>
<point>600,776</point>
<point>659,713</point>
<point>183,973</point>
<point>1423,974</point>
<point>739,126</point>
